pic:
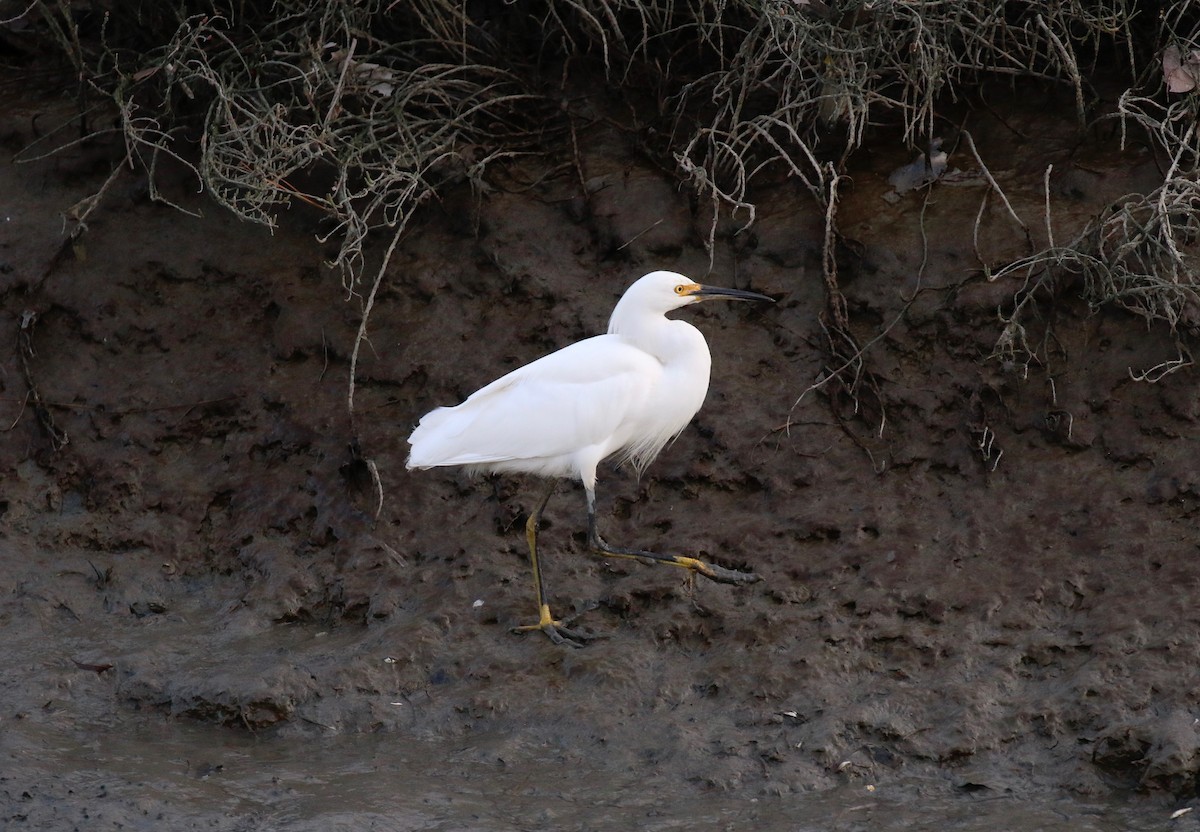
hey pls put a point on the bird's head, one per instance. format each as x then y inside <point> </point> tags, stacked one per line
<point>660,292</point>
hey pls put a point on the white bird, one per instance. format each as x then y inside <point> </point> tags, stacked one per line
<point>624,394</point>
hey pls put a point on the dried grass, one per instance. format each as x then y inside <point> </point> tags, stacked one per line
<point>1141,253</point>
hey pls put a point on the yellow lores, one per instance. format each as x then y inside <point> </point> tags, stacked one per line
<point>624,394</point>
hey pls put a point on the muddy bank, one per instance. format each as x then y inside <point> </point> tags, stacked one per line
<point>984,576</point>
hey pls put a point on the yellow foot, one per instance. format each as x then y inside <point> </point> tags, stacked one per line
<point>557,631</point>
<point>716,573</point>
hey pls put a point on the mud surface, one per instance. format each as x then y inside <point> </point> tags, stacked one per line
<point>981,583</point>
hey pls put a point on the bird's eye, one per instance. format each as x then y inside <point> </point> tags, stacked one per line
<point>679,289</point>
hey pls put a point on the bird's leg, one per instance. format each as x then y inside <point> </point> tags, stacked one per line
<point>558,632</point>
<point>693,565</point>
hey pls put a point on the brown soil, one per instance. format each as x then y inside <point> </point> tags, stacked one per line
<point>985,576</point>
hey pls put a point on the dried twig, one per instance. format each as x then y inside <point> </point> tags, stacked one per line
<point>58,437</point>
<point>987,174</point>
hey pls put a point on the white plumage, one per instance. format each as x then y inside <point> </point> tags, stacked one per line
<point>626,394</point>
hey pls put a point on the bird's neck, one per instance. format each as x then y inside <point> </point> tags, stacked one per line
<point>668,340</point>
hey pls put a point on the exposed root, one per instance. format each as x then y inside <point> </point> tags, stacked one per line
<point>58,437</point>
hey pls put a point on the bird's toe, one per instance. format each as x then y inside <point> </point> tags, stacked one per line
<point>567,636</point>
<point>728,576</point>
<point>558,631</point>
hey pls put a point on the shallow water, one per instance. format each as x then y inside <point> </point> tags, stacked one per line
<point>170,774</point>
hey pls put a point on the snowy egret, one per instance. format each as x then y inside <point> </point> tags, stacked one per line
<point>625,394</point>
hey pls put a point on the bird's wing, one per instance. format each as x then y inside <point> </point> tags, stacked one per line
<point>568,400</point>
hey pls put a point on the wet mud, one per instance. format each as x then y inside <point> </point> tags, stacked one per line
<point>979,575</point>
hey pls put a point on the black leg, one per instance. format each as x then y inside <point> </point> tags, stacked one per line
<point>556,630</point>
<point>708,570</point>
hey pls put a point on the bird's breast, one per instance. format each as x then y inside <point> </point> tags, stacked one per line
<point>674,397</point>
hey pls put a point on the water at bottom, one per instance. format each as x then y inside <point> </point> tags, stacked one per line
<point>183,776</point>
